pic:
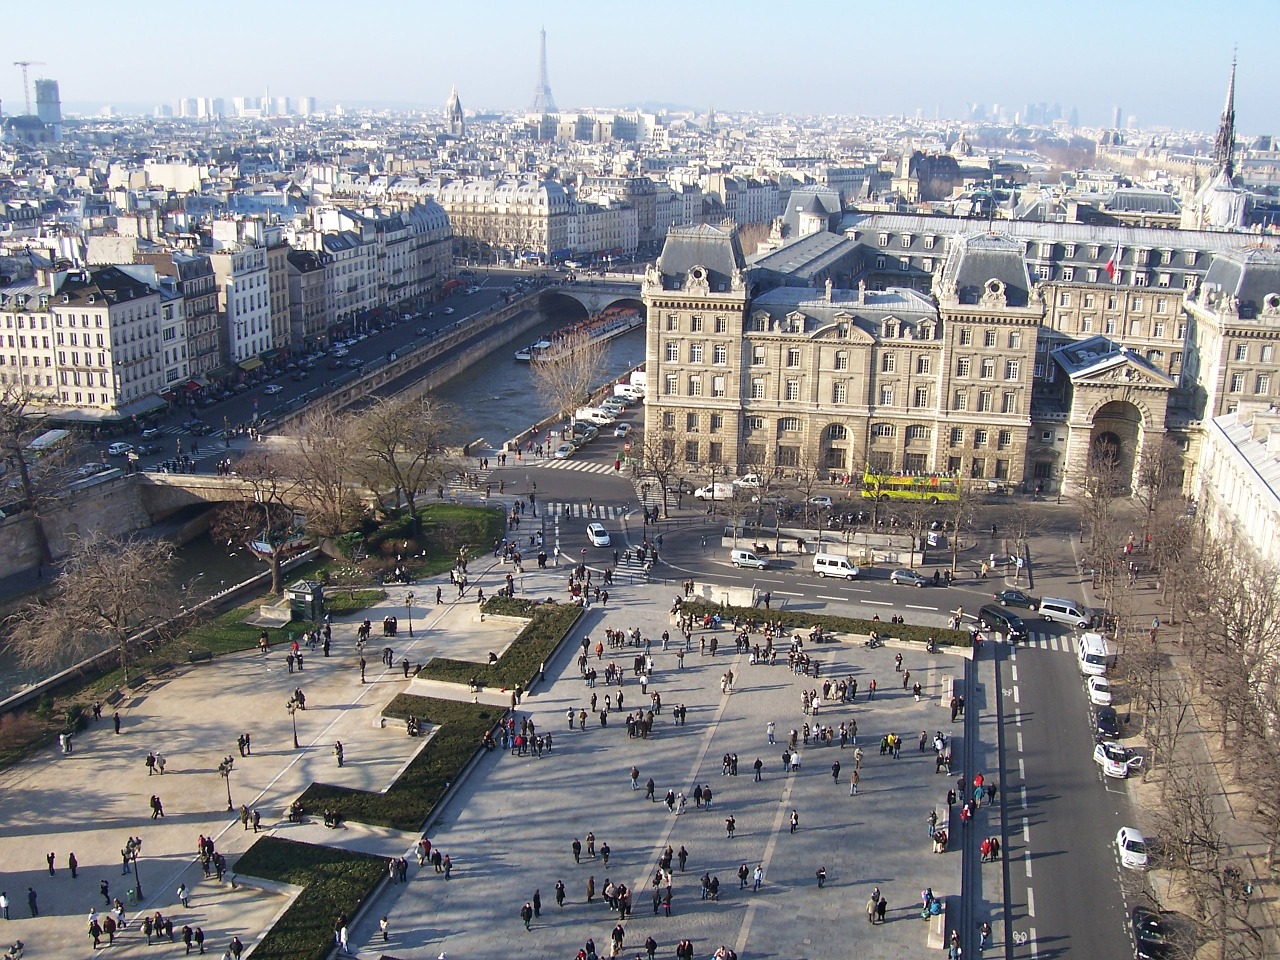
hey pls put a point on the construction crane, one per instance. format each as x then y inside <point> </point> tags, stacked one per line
<point>26,84</point>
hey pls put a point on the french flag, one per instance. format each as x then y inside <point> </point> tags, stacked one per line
<point>1113,265</point>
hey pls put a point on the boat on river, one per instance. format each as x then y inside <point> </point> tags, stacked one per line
<point>603,326</point>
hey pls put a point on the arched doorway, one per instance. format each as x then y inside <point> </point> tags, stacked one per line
<point>835,449</point>
<point>1114,443</point>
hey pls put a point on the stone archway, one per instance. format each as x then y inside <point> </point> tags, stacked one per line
<point>1116,438</point>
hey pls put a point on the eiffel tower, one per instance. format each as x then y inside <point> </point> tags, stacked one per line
<point>543,101</point>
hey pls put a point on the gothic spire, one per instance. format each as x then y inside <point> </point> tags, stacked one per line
<point>1225,144</point>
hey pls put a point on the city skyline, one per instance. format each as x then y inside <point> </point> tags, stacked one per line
<point>908,62</point>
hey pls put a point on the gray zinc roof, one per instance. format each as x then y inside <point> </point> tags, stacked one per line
<point>981,257</point>
<point>700,245</point>
<point>1247,275</point>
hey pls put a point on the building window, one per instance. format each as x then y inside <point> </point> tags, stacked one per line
<point>966,336</point>
<point>695,353</point>
<point>1086,324</point>
<point>717,422</point>
<point>1004,439</point>
<point>879,263</point>
<point>1242,352</point>
<point>1189,281</point>
<point>789,425</point>
<point>1176,359</point>
<point>1015,340</point>
<point>1064,298</point>
<point>921,398</point>
<point>695,324</point>
<point>886,395</point>
<point>792,390</point>
<point>1042,272</point>
<point>669,385</point>
<point>1182,331</point>
<point>988,338</point>
<point>962,366</point>
<point>722,325</point>
<point>673,352</point>
<point>917,432</point>
<point>979,437</point>
<point>842,359</point>
<point>953,466</point>
<point>673,322</point>
<point>720,354</point>
<point>1163,281</point>
<point>691,451</point>
<point>884,239</point>
<point>988,368</point>
<point>691,422</point>
<point>1002,469</point>
<point>1139,279</point>
<point>1267,352</point>
<point>960,401</point>
<point>1069,275</point>
<point>1038,371</point>
<point>788,455</point>
<point>668,421</point>
<point>882,431</point>
<point>793,356</point>
<point>717,386</point>
<point>1237,382</point>
<point>924,365</point>
<point>757,356</point>
<point>888,363</point>
<point>1009,402</point>
<point>984,401</point>
<point>929,242</point>
<point>1109,325</point>
<point>757,388</point>
<point>1263,385</point>
<point>906,241</point>
<point>977,468</point>
<point>839,392</point>
<point>904,265</point>
<point>927,265</point>
<point>752,423</point>
<point>695,386</point>
<point>957,437</point>
<point>1013,369</point>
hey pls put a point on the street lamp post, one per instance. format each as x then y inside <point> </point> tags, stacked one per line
<point>132,848</point>
<point>408,603</point>
<point>292,707</point>
<point>224,769</point>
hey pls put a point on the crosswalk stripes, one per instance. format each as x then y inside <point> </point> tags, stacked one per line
<point>580,466</point>
<point>1043,641</point>
<point>585,511</point>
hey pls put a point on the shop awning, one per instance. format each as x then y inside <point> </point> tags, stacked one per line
<point>253,363</point>
<point>192,386</point>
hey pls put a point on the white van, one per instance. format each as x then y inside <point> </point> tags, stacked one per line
<point>1065,611</point>
<point>1094,654</point>
<point>594,415</point>
<point>715,491</point>
<point>747,558</point>
<point>830,565</point>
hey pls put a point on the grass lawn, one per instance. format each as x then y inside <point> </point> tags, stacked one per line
<point>333,882</point>
<point>533,646</point>
<point>410,800</point>
<point>444,530</point>
<point>797,620</point>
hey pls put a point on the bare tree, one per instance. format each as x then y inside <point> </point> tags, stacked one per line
<point>1102,479</point>
<point>402,443</point>
<point>957,518</point>
<point>657,456</point>
<point>566,374</point>
<point>266,519</point>
<point>1023,523</point>
<point>323,451</point>
<point>108,591</point>
<point>1158,479</point>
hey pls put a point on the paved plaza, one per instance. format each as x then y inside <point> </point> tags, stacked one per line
<point>509,827</point>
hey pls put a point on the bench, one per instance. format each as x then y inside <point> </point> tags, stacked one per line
<point>199,656</point>
<point>137,683</point>
<point>937,938</point>
<point>114,699</point>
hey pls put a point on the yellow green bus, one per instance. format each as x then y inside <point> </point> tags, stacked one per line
<point>934,488</point>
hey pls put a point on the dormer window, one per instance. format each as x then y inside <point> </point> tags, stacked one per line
<point>884,239</point>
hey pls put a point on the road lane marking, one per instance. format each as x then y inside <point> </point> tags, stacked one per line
<point>1019,741</point>
<point>1027,859</point>
<point>784,593</point>
<point>1022,771</point>
<point>859,589</point>
<point>1016,698</point>
<point>1031,902</point>
<point>1017,717</point>
<point>1023,789</point>
<point>823,596</point>
<point>769,580</point>
<point>912,606</point>
<point>1013,672</point>
<point>878,603</point>
<point>1026,830</point>
<point>1035,950</point>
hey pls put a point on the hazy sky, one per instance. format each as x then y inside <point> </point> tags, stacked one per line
<point>1165,62</point>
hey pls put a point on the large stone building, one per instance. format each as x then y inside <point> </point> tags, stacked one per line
<point>508,219</point>
<point>1020,356</point>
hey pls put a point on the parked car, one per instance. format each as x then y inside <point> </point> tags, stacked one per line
<point>1107,723</point>
<point>1016,598</point>
<point>748,480</point>
<point>1116,761</point>
<point>119,448</point>
<point>298,376</point>
<point>822,501</point>
<point>448,310</point>
<point>564,451</point>
<point>146,449</point>
<point>598,535</point>
<point>622,429</point>
<point>909,578</point>
<point>89,469</point>
<point>1150,936</point>
<point>1131,847</point>
<point>271,389</point>
<point>150,433</point>
<point>1099,691</point>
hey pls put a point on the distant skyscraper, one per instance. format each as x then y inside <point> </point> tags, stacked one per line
<point>543,101</point>
<point>306,106</point>
<point>453,115</point>
<point>1117,118</point>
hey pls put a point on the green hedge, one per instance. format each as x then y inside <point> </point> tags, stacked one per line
<point>531,648</point>
<point>409,801</point>
<point>333,881</point>
<point>798,620</point>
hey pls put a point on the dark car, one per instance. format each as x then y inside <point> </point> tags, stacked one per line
<point>298,376</point>
<point>1107,724</point>
<point>1008,623</point>
<point>1016,598</point>
<point>1150,938</point>
<point>146,449</point>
